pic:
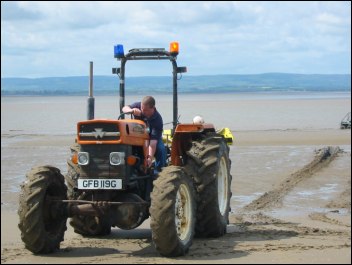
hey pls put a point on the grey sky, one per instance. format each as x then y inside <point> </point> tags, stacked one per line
<point>42,39</point>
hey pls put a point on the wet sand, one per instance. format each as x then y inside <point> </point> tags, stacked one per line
<point>291,204</point>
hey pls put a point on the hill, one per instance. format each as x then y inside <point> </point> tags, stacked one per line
<point>78,85</point>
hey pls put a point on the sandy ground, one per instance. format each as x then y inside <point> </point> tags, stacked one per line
<point>291,204</point>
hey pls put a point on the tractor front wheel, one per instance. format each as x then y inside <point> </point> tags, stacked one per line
<point>42,218</point>
<point>172,212</point>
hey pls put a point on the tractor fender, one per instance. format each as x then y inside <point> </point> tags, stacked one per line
<point>182,139</point>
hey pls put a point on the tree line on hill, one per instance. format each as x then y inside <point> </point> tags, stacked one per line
<point>78,85</point>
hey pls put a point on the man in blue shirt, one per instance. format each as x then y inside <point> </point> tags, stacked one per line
<point>147,112</point>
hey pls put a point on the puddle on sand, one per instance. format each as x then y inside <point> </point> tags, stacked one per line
<point>292,211</point>
<point>296,203</point>
<point>239,201</point>
<point>325,193</point>
<point>305,202</point>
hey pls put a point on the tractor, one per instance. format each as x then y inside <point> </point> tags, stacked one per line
<point>108,183</point>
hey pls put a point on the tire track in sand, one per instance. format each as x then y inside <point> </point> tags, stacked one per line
<point>274,197</point>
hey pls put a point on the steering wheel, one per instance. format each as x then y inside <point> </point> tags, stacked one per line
<point>124,113</point>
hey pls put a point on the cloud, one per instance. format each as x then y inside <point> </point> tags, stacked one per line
<point>13,11</point>
<point>215,37</point>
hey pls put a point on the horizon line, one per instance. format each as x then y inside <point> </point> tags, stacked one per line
<point>267,73</point>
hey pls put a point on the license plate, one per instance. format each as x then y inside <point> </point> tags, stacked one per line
<point>103,184</point>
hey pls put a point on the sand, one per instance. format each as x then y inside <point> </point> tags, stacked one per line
<point>291,204</point>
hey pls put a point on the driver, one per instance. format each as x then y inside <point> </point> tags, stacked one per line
<point>146,111</point>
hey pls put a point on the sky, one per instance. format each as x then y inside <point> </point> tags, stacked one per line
<point>54,39</point>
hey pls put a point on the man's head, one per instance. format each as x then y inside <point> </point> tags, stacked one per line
<point>148,106</point>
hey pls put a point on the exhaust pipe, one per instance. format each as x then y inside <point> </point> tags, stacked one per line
<point>90,101</point>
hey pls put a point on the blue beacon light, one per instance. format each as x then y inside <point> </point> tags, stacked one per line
<point>118,51</point>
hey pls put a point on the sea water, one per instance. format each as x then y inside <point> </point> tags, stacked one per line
<point>237,111</point>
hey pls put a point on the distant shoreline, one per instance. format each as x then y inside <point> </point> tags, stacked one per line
<point>78,85</point>
<point>116,93</point>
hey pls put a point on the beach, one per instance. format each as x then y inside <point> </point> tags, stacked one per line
<point>311,224</point>
<point>291,190</point>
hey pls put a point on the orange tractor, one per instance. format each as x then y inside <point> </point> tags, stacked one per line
<point>108,183</point>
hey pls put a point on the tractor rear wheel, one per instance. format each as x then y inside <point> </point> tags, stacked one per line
<point>209,164</point>
<point>172,212</point>
<point>42,217</point>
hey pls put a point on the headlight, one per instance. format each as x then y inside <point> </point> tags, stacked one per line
<point>117,158</point>
<point>83,158</point>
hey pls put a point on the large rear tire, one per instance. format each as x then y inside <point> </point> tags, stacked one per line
<point>83,225</point>
<point>42,221</point>
<point>209,164</point>
<point>172,212</point>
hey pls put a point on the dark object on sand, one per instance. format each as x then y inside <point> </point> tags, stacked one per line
<point>346,121</point>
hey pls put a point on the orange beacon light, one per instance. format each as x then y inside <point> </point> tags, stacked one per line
<point>174,47</point>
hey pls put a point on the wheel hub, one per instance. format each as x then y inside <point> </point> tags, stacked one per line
<point>183,212</point>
